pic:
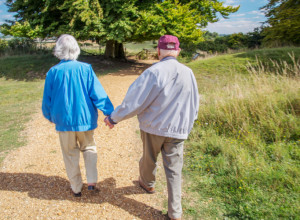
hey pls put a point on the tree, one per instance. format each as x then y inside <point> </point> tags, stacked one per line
<point>237,40</point>
<point>210,35</point>
<point>283,21</point>
<point>116,21</point>
<point>255,38</point>
<point>21,30</point>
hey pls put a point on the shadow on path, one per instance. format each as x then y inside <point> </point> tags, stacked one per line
<point>57,188</point>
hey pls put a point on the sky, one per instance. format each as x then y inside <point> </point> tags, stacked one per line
<point>4,15</point>
<point>244,20</point>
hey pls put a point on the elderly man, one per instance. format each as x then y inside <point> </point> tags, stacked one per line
<point>165,99</point>
<point>72,95</point>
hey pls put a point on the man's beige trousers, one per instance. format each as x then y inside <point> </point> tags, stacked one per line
<point>172,154</point>
<point>72,143</point>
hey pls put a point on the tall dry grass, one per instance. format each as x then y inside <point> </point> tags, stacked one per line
<point>244,151</point>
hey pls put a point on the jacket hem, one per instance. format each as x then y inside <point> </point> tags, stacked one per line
<point>76,128</point>
<point>164,134</point>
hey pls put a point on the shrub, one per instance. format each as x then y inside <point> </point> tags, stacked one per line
<point>21,46</point>
<point>3,45</point>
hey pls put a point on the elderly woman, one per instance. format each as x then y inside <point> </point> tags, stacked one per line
<point>72,95</point>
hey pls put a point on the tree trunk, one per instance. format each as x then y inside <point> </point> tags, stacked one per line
<point>119,51</point>
<point>114,49</point>
<point>109,49</point>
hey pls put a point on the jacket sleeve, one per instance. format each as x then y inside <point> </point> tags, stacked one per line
<point>139,96</point>
<point>98,95</point>
<point>46,103</point>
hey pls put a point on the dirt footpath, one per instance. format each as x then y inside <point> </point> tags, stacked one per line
<point>33,180</point>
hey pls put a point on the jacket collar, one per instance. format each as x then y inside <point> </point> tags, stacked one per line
<point>168,58</point>
<point>63,61</point>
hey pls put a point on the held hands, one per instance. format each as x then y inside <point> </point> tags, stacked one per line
<point>107,123</point>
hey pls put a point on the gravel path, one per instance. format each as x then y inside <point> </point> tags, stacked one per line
<point>33,181</point>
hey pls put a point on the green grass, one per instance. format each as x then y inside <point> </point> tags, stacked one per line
<point>130,48</point>
<point>26,67</point>
<point>92,50</point>
<point>21,88</point>
<point>134,48</point>
<point>242,157</point>
<point>18,102</point>
<point>236,63</point>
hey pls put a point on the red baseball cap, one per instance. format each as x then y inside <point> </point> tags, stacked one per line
<point>168,42</point>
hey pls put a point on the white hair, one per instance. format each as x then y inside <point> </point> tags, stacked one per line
<point>66,48</point>
<point>165,53</point>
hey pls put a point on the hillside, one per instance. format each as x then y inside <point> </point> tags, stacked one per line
<point>242,158</point>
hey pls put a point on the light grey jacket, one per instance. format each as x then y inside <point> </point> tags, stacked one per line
<point>164,97</point>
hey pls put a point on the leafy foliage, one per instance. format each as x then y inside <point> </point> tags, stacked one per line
<point>22,30</point>
<point>44,15</point>
<point>215,43</point>
<point>183,19</point>
<point>84,18</point>
<point>284,21</point>
<point>114,21</point>
<point>3,45</point>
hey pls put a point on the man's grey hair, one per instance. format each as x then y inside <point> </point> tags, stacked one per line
<point>165,53</point>
<point>66,48</point>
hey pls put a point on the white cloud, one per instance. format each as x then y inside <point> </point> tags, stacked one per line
<point>229,27</point>
<point>264,1</point>
<point>230,3</point>
<point>256,13</point>
<point>2,2</point>
<point>238,15</point>
<point>7,17</point>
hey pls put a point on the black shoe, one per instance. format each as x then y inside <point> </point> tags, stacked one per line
<point>91,187</point>
<point>77,194</point>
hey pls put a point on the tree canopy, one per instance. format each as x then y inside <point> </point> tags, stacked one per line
<point>283,21</point>
<point>116,21</point>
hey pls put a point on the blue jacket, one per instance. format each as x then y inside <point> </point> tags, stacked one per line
<point>72,94</point>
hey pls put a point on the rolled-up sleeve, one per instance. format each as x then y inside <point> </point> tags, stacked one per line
<point>139,96</point>
<point>98,94</point>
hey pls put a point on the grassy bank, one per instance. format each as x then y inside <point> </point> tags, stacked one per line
<point>26,67</point>
<point>242,158</point>
<point>21,88</point>
<point>18,102</point>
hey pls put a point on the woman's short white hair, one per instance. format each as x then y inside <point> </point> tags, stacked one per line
<point>66,48</point>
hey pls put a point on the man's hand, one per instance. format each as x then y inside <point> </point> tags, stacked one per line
<point>107,123</point>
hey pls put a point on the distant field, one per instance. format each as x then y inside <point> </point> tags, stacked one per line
<point>134,48</point>
<point>131,49</point>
